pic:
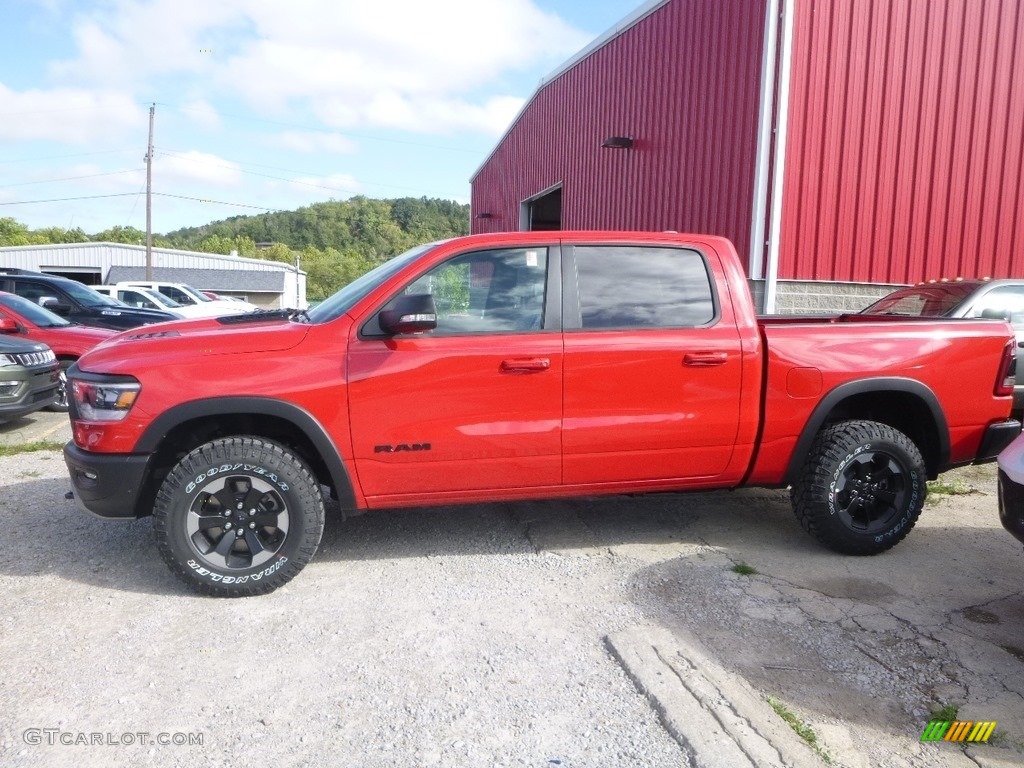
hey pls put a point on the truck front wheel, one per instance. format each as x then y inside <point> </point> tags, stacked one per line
<point>862,488</point>
<point>238,516</point>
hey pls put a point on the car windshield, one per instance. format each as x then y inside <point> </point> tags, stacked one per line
<point>160,298</point>
<point>932,300</point>
<point>86,296</point>
<point>197,295</point>
<point>342,301</point>
<point>38,316</point>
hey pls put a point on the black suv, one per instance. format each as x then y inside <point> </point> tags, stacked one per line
<point>77,302</point>
<point>29,376</point>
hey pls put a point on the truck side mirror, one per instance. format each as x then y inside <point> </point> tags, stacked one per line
<point>414,313</point>
<point>54,304</point>
<point>7,325</point>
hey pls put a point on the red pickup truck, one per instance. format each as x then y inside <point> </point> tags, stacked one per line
<point>522,366</point>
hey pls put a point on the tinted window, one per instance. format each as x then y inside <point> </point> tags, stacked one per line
<point>922,301</point>
<point>488,291</point>
<point>1005,303</point>
<point>643,287</point>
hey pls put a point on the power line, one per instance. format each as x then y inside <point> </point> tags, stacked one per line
<point>251,173</point>
<point>238,163</point>
<point>71,178</point>
<point>217,202</point>
<point>58,157</point>
<point>65,199</point>
<point>318,129</point>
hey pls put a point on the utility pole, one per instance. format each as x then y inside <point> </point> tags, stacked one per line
<point>149,198</point>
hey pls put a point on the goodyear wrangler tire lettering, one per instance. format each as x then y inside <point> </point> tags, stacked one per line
<point>238,516</point>
<point>862,489</point>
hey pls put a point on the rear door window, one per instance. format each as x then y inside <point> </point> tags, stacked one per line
<point>627,287</point>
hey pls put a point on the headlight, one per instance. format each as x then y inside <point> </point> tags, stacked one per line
<point>104,401</point>
<point>6,361</point>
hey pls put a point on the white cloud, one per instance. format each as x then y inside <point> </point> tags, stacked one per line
<point>74,116</point>
<point>315,141</point>
<point>196,167</point>
<point>386,63</point>
<point>200,112</point>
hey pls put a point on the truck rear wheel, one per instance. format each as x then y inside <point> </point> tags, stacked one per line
<point>862,488</point>
<point>238,516</point>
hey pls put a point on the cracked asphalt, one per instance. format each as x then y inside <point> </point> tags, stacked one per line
<point>505,634</point>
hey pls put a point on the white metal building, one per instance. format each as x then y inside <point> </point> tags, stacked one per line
<point>268,284</point>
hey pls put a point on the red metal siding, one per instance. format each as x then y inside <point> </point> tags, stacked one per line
<point>904,157</point>
<point>685,83</point>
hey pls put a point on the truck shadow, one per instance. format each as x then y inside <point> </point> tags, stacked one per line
<point>52,538</point>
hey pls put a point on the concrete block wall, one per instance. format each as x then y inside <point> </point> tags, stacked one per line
<point>806,297</point>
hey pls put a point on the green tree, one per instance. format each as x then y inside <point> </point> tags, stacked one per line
<point>118,234</point>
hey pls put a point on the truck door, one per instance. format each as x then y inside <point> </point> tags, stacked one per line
<point>474,405</point>
<point>652,366</point>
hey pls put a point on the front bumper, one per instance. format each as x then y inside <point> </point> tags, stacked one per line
<point>106,485</point>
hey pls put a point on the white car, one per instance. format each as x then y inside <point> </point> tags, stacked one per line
<point>135,296</point>
<point>187,296</point>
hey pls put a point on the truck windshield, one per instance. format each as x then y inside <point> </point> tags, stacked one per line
<point>86,296</point>
<point>342,301</point>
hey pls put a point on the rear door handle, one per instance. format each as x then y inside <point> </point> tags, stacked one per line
<point>705,359</point>
<point>525,365</point>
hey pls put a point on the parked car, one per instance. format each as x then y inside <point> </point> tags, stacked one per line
<point>69,341</point>
<point>1011,488</point>
<point>77,302</point>
<point>992,299</point>
<point>524,365</point>
<point>29,376</point>
<point>186,295</point>
<point>148,298</point>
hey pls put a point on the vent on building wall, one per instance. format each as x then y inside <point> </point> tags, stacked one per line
<point>618,142</point>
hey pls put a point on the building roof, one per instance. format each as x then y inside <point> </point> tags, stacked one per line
<point>218,259</point>
<point>616,30</point>
<point>206,279</point>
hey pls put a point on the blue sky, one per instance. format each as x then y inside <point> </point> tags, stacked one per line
<point>263,104</point>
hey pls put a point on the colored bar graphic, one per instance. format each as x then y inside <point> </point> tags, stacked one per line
<point>935,731</point>
<point>959,730</point>
<point>982,731</point>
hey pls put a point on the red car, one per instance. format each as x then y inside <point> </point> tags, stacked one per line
<point>68,341</point>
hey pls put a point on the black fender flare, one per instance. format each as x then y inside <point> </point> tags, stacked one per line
<point>860,387</point>
<point>298,417</point>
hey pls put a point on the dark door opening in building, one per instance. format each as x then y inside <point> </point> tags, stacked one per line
<point>544,212</point>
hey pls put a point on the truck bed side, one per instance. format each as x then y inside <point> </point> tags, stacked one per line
<point>934,380</point>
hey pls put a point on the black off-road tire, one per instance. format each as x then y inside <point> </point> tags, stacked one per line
<point>245,484</point>
<point>862,488</point>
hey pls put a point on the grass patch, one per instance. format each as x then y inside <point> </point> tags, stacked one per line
<point>744,570</point>
<point>799,727</point>
<point>955,487</point>
<point>948,712</point>
<point>39,445</point>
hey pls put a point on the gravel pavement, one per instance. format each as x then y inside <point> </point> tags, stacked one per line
<point>564,633</point>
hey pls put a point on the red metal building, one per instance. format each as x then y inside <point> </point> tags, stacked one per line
<point>834,141</point>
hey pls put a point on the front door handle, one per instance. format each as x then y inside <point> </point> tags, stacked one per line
<point>525,365</point>
<point>705,359</point>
